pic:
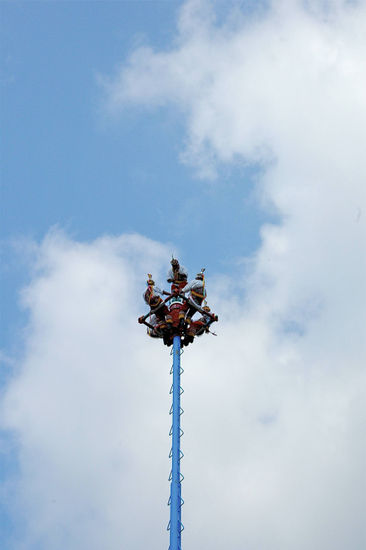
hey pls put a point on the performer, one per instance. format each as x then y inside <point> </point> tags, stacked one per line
<point>155,302</point>
<point>197,328</point>
<point>177,273</point>
<point>197,293</point>
<point>158,327</point>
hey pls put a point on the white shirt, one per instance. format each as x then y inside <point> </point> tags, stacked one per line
<point>156,290</point>
<point>182,271</point>
<point>196,285</point>
<point>153,320</point>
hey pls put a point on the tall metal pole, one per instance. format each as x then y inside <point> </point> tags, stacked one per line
<point>175,500</point>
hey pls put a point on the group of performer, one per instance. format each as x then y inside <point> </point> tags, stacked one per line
<point>174,315</point>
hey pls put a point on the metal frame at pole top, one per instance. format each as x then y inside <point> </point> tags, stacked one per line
<point>175,501</point>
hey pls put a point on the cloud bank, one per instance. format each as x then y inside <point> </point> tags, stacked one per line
<point>275,411</point>
<point>81,399</point>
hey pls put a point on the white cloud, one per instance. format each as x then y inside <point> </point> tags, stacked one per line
<point>81,402</point>
<point>273,421</point>
<point>275,412</point>
<point>267,86</point>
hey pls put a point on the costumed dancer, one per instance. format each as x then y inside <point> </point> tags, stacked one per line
<point>177,274</point>
<point>157,306</point>
<point>197,293</point>
<point>197,328</point>
<point>158,327</point>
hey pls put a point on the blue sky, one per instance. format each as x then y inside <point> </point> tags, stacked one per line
<point>67,163</point>
<point>100,102</point>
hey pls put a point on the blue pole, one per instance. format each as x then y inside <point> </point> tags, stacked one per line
<point>175,500</point>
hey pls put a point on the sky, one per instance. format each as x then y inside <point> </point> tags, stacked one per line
<point>67,163</point>
<point>232,135</point>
